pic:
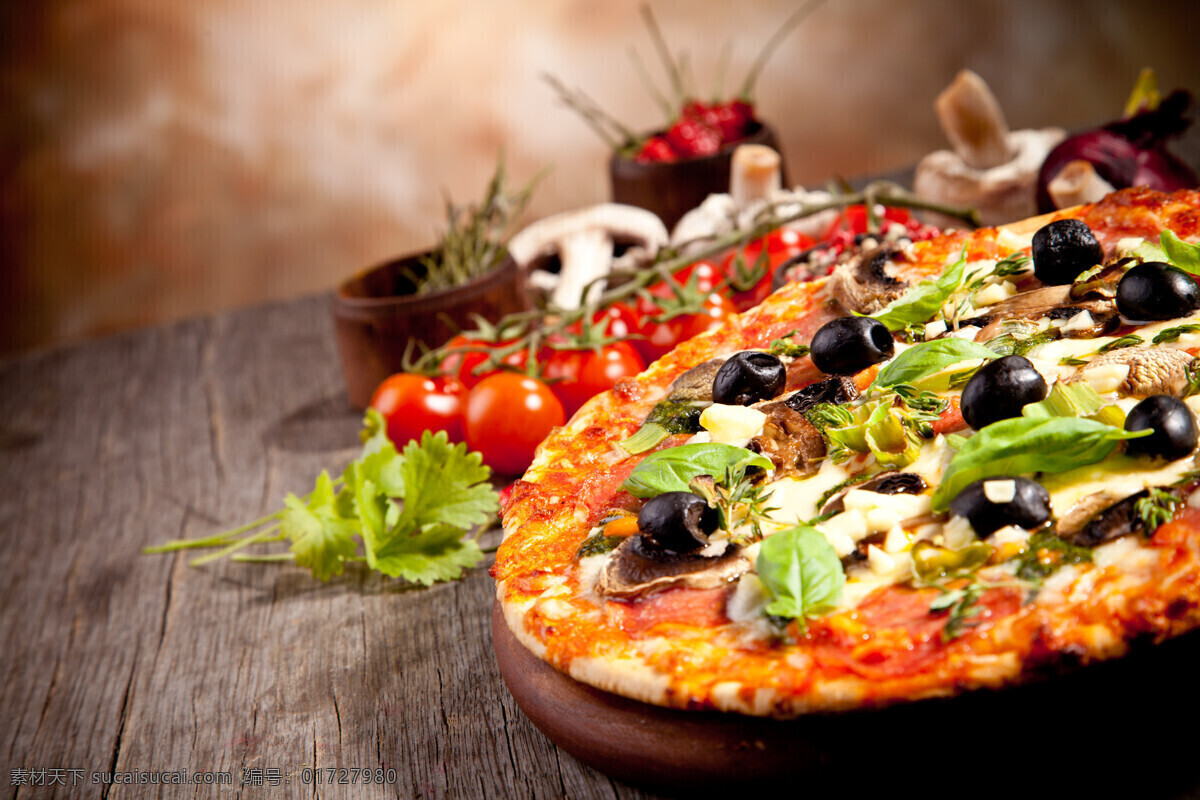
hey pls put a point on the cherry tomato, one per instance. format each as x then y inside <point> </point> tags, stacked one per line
<point>854,220</point>
<point>780,245</point>
<point>575,376</point>
<point>411,404</point>
<point>465,365</point>
<point>707,276</point>
<point>717,308</point>
<point>617,321</point>
<point>507,416</point>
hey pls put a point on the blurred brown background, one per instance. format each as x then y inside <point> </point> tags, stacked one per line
<point>163,159</point>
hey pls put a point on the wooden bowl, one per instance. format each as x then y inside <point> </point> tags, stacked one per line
<point>671,189</point>
<point>377,316</point>
<point>1065,736</point>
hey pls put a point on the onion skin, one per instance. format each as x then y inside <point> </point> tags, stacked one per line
<point>1130,152</point>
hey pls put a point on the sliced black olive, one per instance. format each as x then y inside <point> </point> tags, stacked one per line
<point>847,345</point>
<point>1175,433</point>
<point>1000,389</point>
<point>1029,507</point>
<point>836,390</point>
<point>1062,250</point>
<point>748,377</point>
<point>1154,290</point>
<point>676,522</point>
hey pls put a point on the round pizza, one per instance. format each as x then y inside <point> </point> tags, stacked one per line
<point>958,463</point>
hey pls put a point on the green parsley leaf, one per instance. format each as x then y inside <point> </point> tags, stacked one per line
<point>411,509</point>
<point>435,552</point>
<point>920,303</point>
<point>321,531</point>
<point>801,573</point>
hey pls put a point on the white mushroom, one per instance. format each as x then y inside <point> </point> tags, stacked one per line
<point>991,168</point>
<point>755,177</point>
<point>583,242</point>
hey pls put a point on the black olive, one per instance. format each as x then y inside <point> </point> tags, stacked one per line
<point>847,345</point>
<point>1174,427</point>
<point>1063,249</point>
<point>1029,507</point>
<point>677,522</point>
<point>748,377</point>
<point>1154,290</point>
<point>1000,389</point>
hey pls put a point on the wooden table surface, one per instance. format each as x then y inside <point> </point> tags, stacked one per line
<point>118,663</point>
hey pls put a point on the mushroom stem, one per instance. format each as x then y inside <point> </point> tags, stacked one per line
<point>1076,184</point>
<point>973,121</point>
<point>754,174</point>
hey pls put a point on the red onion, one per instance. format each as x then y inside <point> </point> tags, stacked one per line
<point>1129,152</point>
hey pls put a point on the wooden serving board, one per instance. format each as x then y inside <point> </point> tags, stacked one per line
<point>1127,725</point>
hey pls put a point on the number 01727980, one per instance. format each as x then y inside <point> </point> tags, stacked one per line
<point>346,775</point>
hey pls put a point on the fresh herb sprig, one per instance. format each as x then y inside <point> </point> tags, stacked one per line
<point>473,243</point>
<point>411,510</point>
<point>1157,508</point>
<point>739,500</point>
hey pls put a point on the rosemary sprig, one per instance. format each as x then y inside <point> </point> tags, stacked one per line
<point>473,243</point>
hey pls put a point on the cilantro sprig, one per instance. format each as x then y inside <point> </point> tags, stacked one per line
<point>410,510</point>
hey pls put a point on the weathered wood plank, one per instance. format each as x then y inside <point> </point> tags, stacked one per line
<point>115,661</point>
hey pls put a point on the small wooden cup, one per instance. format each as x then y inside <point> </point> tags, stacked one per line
<point>671,189</point>
<point>377,315</point>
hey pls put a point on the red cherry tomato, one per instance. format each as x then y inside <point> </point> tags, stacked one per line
<point>854,220</point>
<point>780,245</point>
<point>466,365</point>
<point>707,276</point>
<point>617,321</point>
<point>717,308</point>
<point>585,373</point>
<point>411,404</point>
<point>507,416</point>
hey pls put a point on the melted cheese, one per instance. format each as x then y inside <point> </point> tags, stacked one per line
<point>1118,476</point>
<point>795,499</point>
<point>734,425</point>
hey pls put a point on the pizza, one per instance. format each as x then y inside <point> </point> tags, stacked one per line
<point>954,464</point>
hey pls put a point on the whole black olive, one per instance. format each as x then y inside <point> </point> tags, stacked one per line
<point>748,377</point>
<point>1000,389</point>
<point>677,522</point>
<point>1154,290</point>
<point>847,345</point>
<point>1012,501</point>
<point>1063,249</point>
<point>1174,427</point>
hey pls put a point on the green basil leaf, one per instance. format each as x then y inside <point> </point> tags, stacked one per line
<point>921,302</point>
<point>672,470</point>
<point>1021,445</point>
<point>928,358</point>
<point>1182,254</point>
<point>801,573</point>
